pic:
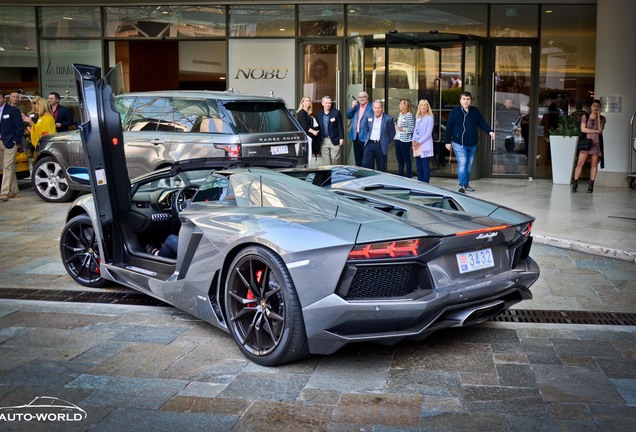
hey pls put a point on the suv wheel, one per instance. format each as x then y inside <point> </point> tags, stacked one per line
<point>50,182</point>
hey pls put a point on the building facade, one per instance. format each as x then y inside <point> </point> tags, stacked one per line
<point>525,62</point>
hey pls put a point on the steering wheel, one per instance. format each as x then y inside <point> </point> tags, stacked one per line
<point>182,198</point>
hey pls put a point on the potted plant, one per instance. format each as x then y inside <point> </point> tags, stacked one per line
<point>563,138</point>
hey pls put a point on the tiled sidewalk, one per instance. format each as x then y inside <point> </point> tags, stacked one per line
<point>138,368</point>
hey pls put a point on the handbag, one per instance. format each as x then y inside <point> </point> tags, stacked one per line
<point>584,143</point>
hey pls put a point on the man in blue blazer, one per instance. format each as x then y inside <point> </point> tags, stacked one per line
<point>381,133</point>
<point>62,115</point>
<point>11,131</point>
<point>332,130</point>
<point>360,113</point>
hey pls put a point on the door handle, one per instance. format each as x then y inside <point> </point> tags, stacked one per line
<point>156,141</point>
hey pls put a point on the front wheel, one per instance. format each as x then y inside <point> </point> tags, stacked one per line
<point>80,253</point>
<point>263,311</point>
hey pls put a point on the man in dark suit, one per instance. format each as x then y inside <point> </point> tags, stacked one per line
<point>61,114</point>
<point>381,133</point>
<point>11,131</point>
<point>332,130</point>
<point>360,114</point>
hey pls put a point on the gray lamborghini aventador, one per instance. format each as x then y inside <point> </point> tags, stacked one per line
<point>287,267</point>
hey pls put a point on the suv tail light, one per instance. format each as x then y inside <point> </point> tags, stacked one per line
<point>232,151</point>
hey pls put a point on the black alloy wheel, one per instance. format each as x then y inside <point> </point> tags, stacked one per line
<point>263,310</point>
<point>80,253</point>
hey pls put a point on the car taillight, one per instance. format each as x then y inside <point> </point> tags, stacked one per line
<point>391,249</point>
<point>525,229</point>
<point>232,151</point>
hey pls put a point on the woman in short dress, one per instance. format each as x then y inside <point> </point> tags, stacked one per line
<point>592,125</point>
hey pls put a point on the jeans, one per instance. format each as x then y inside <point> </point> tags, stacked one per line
<point>403,153</point>
<point>169,247</point>
<point>423,166</point>
<point>465,156</point>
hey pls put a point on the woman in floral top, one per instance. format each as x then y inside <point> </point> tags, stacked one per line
<point>404,127</point>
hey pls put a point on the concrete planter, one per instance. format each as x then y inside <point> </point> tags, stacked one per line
<point>563,150</point>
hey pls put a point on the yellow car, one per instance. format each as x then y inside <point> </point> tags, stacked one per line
<point>21,165</point>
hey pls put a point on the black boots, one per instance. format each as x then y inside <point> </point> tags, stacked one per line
<point>575,186</point>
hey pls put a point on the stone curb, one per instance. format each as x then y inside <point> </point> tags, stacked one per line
<point>589,248</point>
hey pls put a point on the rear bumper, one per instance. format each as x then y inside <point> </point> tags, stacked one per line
<point>334,322</point>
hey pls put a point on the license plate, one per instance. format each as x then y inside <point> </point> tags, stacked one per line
<point>475,260</point>
<point>279,150</point>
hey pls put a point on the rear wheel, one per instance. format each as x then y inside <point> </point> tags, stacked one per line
<point>80,253</point>
<point>263,310</point>
<point>50,182</point>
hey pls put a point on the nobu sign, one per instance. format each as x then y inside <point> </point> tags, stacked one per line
<point>261,73</point>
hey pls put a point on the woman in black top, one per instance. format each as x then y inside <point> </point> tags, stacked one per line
<point>309,124</point>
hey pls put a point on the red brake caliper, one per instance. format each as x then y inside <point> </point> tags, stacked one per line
<point>250,296</point>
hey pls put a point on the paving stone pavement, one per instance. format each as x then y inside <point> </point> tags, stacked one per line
<point>139,368</point>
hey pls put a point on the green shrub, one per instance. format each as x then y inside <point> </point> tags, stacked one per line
<point>566,126</point>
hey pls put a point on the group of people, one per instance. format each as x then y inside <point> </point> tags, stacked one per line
<point>372,131</point>
<point>46,117</point>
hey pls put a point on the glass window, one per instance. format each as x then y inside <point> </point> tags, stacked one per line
<point>147,114</point>
<point>265,20</point>
<point>57,58</point>
<point>321,20</point>
<point>254,117</point>
<point>514,21</point>
<point>215,188</point>
<point>200,116</point>
<point>165,21</point>
<point>382,18</point>
<point>70,22</point>
<point>568,56</point>
<point>18,49</point>
<point>567,68</point>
